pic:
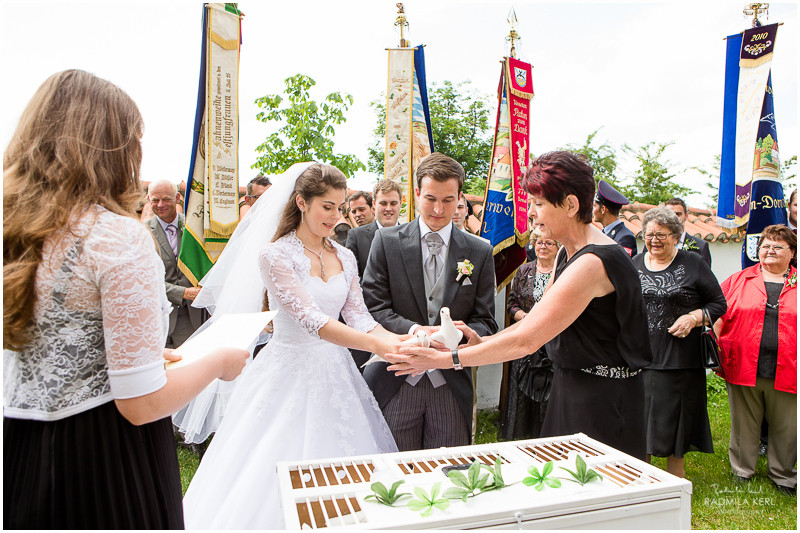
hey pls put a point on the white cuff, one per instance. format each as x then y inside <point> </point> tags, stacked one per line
<point>412,329</point>
<point>137,381</point>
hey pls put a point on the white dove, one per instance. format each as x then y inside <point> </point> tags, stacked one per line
<point>448,334</point>
<point>420,338</point>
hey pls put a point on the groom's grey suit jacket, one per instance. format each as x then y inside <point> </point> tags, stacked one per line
<point>394,291</point>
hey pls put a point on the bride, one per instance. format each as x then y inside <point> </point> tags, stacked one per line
<point>302,397</point>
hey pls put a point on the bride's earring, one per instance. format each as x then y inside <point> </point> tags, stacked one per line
<point>301,216</point>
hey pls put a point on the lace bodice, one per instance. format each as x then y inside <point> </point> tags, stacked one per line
<point>285,271</point>
<point>100,321</point>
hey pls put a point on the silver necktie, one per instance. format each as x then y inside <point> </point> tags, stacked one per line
<point>433,265</point>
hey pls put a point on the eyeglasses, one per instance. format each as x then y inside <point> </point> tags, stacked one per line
<point>774,247</point>
<point>545,244</point>
<point>657,236</point>
<point>253,196</point>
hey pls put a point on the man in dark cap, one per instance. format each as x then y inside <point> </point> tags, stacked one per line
<point>607,204</point>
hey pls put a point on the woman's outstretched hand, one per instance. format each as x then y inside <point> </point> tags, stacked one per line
<point>388,343</point>
<point>415,360</point>
<point>470,334</point>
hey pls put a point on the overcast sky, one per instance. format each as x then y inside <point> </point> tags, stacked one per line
<point>641,71</point>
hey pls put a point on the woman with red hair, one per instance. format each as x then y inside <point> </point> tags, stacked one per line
<point>591,317</point>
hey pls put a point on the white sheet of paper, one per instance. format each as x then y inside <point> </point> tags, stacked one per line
<point>237,330</point>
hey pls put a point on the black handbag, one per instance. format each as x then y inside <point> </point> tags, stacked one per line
<point>709,346</point>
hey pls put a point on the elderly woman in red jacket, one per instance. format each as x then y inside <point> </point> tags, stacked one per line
<point>758,340</point>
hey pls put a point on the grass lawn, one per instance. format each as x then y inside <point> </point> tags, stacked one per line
<point>717,502</point>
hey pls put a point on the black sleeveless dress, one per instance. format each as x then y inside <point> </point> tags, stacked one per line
<point>598,387</point>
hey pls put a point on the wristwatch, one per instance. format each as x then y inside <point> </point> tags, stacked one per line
<point>456,363</point>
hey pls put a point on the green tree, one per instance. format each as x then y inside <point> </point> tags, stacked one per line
<point>460,127</point>
<point>788,175</point>
<point>652,183</point>
<point>603,158</point>
<point>306,129</point>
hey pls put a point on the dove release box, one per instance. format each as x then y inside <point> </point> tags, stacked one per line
<point>632,494</point>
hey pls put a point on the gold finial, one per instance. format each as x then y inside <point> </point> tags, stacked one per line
<point>513,36</point>
<point>756,9</point>
<point>401,23</point>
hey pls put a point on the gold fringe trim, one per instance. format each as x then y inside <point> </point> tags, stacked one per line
<point>502,284</point>
<point>510,86</point>
<point>752,63</point>
<point>187,272</point>
<point>502,245</point>
<point>223,231</point>
<point>227,44</point>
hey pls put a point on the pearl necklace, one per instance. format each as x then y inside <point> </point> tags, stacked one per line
<point>321,263</point>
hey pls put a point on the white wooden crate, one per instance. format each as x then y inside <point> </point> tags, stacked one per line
<point>632,495</point>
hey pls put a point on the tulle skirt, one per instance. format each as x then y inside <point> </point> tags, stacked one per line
<point>92,470</point>
<point>293,403</point>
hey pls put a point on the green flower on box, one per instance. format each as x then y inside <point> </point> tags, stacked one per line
<point>464,268</point>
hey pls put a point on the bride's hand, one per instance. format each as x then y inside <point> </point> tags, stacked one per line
<point>415,360</point>
<point>388,343</point>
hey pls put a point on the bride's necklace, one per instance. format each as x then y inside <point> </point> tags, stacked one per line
<point>321,262</point>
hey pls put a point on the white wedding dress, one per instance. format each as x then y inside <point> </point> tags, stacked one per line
<point>301,398</point>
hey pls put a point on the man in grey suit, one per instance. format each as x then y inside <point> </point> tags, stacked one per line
<point>411,274</point>
<point>386,195</point>
<point>167,227</point>
<point>686,241</point>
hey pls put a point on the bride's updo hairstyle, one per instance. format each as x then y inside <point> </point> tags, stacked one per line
<point>555,175</point>
<point>316,181</point>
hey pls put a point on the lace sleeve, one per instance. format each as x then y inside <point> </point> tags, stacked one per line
<point>130,279</point>
<point>278,264</point>
<point>355,312</point>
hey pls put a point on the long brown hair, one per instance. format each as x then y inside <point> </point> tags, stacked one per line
<point>316,181</point>
<point>77,144</point>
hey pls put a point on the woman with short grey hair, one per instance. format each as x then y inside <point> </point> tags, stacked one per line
<point>676,286</point>
<point>663,217</point>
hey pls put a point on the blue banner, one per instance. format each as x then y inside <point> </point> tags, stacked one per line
<point>767,204</point>
<point>727,173</point>
<point>419,71</point>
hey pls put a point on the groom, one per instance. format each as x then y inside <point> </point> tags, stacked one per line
<point>411,274</point>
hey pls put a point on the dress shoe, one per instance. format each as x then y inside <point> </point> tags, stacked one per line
<point>788,491</point>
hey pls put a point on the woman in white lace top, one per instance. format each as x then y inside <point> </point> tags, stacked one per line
<point>302,398</point>
<point>87,439</point>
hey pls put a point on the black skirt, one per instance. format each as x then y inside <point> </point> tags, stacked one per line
<point>610,410</point>
<point>93,470</point>
<point>676,412</point>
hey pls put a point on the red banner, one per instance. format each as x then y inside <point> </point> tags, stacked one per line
<point>520,90</point>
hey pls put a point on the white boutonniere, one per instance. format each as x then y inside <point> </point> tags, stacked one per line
<point>180,224</point>
<point>464,268</point>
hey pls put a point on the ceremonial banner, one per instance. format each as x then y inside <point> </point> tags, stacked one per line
<point>750,191</point>
<point>767,203</point>
<point>742,118</point>
<point>408,133</point>
<point>212,193</point>
<point>504,221</point>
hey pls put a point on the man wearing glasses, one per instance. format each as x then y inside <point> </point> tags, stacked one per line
<point>255,188</point>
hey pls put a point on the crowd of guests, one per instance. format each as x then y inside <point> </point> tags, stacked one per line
<point>753,312</point>
<point>606,340</point>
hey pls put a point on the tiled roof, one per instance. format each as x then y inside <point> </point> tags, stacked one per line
<point>700,223</point>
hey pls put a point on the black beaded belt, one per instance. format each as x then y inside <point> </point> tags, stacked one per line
<point>614,372</point>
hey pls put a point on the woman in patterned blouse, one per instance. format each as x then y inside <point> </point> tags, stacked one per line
<point>676,286</point>
<point>530,378</point>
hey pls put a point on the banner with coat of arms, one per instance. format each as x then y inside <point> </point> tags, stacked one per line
<point>504,221</point>
<point>751,193</point>
<point>211,205</point>
<point>408,124</point>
